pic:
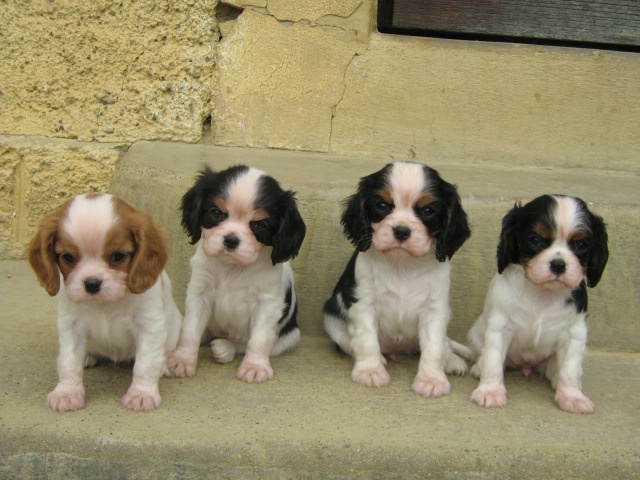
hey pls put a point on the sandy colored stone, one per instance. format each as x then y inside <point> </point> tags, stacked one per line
<point>279,83</point>
<point>37,175</point>
<point>296,10</point>
<point>107,71</point>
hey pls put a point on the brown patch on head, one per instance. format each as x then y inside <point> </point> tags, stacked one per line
<point>143,242</point>
<point>119,249</point>
<point>63,247</point>
<point>387,195</point>
<point>544,231</point>
<point>221,203</point>
<point>578,235</point>
<point>259,215</point>
<point>425,200</point>
<point>40,250</point>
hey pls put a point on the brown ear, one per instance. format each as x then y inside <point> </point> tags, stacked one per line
<point>151,252</point>
<point>42,256</point>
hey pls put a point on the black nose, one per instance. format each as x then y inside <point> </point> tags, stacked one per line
<point>557,266</point>
<point>401,233</point>
<point>92,285</point>
<point>231,242</point>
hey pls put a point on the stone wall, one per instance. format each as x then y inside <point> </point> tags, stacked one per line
<point>82,81</point>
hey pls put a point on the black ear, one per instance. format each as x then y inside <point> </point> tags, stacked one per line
<point>599,252</point>
<point>290,235</point>
<point>192,205</point>
<point>508,245</point>
<point>355,223</point>
<point>456,230</point>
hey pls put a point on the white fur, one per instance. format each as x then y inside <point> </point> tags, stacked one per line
<point>533,328</point>
<point>240,305</point>
<point>402,306</point>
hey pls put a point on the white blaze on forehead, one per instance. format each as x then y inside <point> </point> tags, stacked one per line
<point>242,193</point>
<point>89,218</point>
<point>407,182</point>
<point>569,217</point>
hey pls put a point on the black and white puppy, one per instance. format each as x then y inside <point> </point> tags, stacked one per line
<point>241,291</point>
<point>535,312</point>
<point>394,298</point>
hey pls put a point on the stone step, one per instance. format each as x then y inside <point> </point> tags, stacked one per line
<point>311,421</point>
<point>155,175</point>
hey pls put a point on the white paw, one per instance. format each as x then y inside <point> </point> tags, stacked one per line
<point>370,375</point>
<point>182,364</point>
<point>252,371</point>
<point>90,361</point>
<point>574,402</point>
<point>431,386</point>
<point>65,399</point>
<point>475,370</point>
<point>223,350</point>
<point>490,395</point>
<point>455,365</point>
<point>141,399</point>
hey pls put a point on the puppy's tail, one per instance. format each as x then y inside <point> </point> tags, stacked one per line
<point>463,351</point>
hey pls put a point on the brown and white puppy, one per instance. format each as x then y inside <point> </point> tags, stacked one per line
<point>105,261</point>
<point>535,311</point>
<point>406,223</point>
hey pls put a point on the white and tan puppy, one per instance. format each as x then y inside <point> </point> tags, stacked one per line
<point>115,299</point>
<point>535,313</point>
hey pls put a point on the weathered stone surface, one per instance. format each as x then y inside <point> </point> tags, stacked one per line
<point>107,71</point>
<point>279,83</point>
<point>39,174</point>
<point>410,97</point>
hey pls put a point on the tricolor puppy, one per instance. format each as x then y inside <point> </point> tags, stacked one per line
<point>535,312</point>
<point>393,297</point>
<point>241,290</point>
<point>115,299</point>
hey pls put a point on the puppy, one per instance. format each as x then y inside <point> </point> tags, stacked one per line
<point>394,298</point>
<point>115,298</point>
<point>535,312</point>
<point>241,291</point>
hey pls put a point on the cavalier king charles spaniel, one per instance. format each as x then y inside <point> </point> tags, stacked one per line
<point>105,261</point>
<point>534,317</point>
<point>406,223</point>
<point>241,292</point>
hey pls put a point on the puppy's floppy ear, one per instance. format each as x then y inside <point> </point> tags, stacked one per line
<point>508,245</point>
<point>599,252</point>
<point>192,204</point>
<point>151,252</point>
<point>355,221</point>
<point>42,256</point>
<point>288,239</point>
<point>456,230</point>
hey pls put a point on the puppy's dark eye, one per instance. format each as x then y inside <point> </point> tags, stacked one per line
<point>535,241</point>
<point>68,259</point>
<point>217,214</point>
<point>258,227</point>
<point>117,258</point>
<point>428,211</point>
<point>383,207</point>
<point>580,246</point>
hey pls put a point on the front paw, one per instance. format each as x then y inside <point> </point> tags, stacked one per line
<point>574,402</point>
<point>490,395</point>
<point>252,371</point>
<point>431,386</point>
<point>371,375</point>
<point>65,399</point>
<point>141,399</point>
<point>182,364</point>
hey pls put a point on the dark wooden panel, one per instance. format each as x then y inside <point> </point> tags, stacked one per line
<point>613,22</point>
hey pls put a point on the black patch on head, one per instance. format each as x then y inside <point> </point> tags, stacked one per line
<point>198,209</point>
<point>344,292</point>
<point>284,229</point>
